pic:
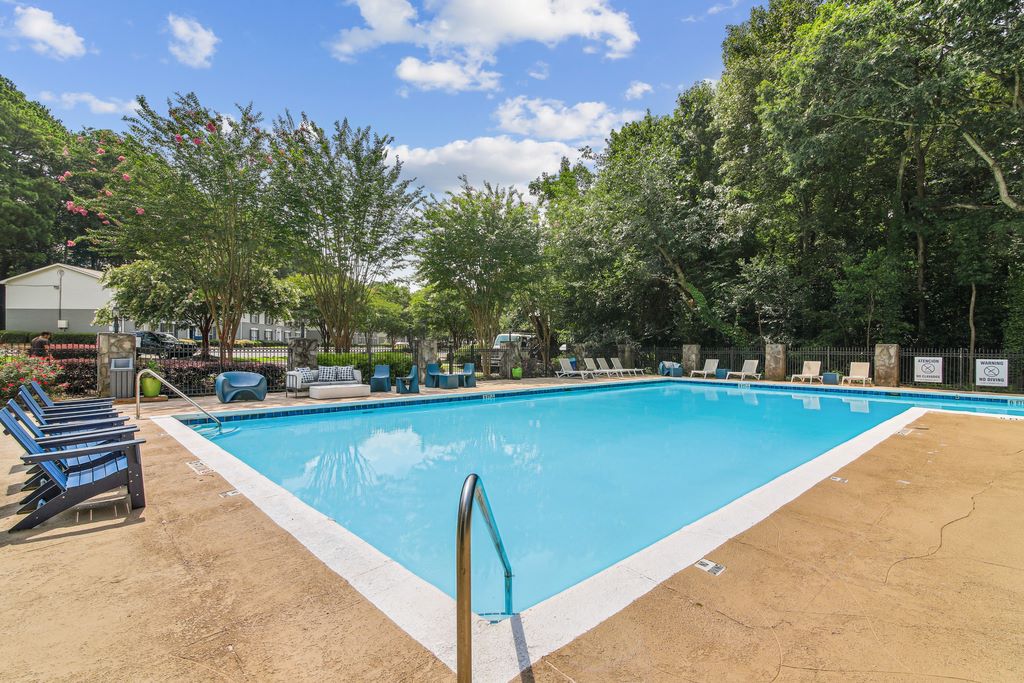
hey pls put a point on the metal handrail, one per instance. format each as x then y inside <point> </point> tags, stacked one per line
<point>138,396</point>
<point>472,488</point>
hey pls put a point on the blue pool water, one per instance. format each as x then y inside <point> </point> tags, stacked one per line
<point>578,480</point>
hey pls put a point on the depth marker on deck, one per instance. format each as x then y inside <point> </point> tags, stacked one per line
<point>706,565</point>
<point>200,467</point>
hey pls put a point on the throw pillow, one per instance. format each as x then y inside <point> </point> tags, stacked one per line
<point>328,373</point>
<point>346,374</point>
<point>309,374</point>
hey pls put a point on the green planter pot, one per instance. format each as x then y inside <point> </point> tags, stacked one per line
<point>517,373</point>
<point>150,387</point>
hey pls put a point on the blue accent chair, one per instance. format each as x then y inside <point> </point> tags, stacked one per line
<point>468,376</point>
<point>240,385</point>
<point>381,380</point>
<point>668,371</point>
<point>433,379</point>
<point>410,384</point>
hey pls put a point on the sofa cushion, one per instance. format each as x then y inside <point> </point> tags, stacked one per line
<point>328,373</point>
<point>346,373</point>
<point>308,374</point>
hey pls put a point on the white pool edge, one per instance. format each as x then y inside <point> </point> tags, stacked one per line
<point>503,650</point>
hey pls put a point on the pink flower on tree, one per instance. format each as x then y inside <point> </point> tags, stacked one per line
<point>212,127</point>
<point>69,205</point>
<point>197,141</point>
<point>83,211</point>
<point>62,179</point>
<point>106,222</point>
<point>80,138</point>
<point>108,193</point>
<point>100,150</point>
<point>121,158</point>
<point>125,177</point>
<point>65,152</point>
<point>100,215</point>
<point>139,211</point>
<point>178,138</point>
<point>71,243</point>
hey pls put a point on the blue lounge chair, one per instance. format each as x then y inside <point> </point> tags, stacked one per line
<point>42,430</point>
<point>381,380</point>
<point>63,489</point>
<point>47,402</point>
<point>670,369</point>
<point>68,461</point>
<point>240,385</point>
<point>467,378</point>
<point>433,378</point>
<point>410,384</point>
<point>59,414</point>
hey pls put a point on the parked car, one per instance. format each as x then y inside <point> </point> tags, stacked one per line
<point>163,345</point>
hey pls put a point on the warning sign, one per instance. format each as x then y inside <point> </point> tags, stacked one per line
<point>991,373</point>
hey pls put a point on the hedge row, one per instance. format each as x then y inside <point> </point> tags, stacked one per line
<point>20,337</point>
<point>62,351</point>
<point>400,362</point>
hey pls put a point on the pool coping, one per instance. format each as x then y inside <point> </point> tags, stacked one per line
<point>502,650</point>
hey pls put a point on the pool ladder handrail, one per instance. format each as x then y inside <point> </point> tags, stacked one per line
<point>163,380</point>
<point>472,488</point>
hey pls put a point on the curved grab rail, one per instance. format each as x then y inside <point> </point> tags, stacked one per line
<point>472,489</point>
<point>138,396</point>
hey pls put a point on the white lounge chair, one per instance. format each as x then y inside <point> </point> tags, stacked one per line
<point>567,370</point>
<point>603,365</point>
<point>710,368</point>
<point>749,370</point>
<point>592,366</point>
<point>811,372</point>
<point>859,372</point>
<point>617,364</point>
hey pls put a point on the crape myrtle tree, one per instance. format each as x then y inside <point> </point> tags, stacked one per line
<point>480,246</point>
<point>348,212</point>
<point>440,315</point>
<point>187,191</point>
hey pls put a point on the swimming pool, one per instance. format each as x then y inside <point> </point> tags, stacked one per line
<point>579,480</point>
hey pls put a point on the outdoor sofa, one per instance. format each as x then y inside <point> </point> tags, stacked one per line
<point>301,379</point>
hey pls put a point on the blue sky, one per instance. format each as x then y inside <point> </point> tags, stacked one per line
<point>498,90</point>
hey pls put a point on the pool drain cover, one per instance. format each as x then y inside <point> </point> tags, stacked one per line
<point>710,567</point>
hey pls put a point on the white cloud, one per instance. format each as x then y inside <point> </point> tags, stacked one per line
<point>540,70</point>
<point>446,75</point>
<point>552,119</point>
<point>193,44</point>
<point>470,32</point>
<point>717,8</point>
<point>70,100</point>
<point>638,89</point>
<point>499,160</point>
<point>47,35</point>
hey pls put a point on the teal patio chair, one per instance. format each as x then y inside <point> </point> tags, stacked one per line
<point>381,380</point>
<point>433,380</point>
<point>467,378</point>
<point>410,384</point>
<point>240,385</point>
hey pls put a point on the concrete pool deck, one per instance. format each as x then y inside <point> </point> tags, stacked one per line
<point>911,569</point>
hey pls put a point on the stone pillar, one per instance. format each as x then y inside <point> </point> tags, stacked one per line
<point>507,360</point>
<point>426,352</point>
<point>111,345</point>
<point>887,365</point>
<point>691,358</point>
<point>626,356</point>
<point>302,353</point>
<point>775,362</point>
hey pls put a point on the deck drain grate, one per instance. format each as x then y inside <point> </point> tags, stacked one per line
<point>200,467</point>
<point>841,480</point>
<point>706,565</point>
<point>231,493</point>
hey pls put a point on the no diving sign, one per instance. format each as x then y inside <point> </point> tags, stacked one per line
<point>991,373</point>
<point>928,369</point>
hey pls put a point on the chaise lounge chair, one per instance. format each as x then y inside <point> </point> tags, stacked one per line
<point>568,371</point>
<point>47,401</point>
<point>710,368</point>
<point>859,372</point>
<point>62,414</point>
<point>617,364</point>
<point>749,370</point>
<point>592,367</point>
<point>811,371</point>
<point>240,385</point>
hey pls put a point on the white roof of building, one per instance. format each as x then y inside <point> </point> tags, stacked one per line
<point>78,269</point>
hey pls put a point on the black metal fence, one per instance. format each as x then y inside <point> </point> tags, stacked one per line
<point>957,369</point>
<point>834,359</point>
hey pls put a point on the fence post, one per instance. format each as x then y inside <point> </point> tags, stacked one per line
<point>887,365</point>
<point>775,362</point>
<point>110,345</point>
<point>369,353</point>
<point>690,358</point>
<point>302,353</point>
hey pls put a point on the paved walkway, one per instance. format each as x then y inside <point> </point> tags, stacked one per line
<point>912,570</point>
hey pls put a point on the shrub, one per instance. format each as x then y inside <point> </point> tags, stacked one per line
<point>18,371</point>
<point>14,337</point>
<point>61,351</point>
<point>197,376</point>
<point>77,376</point>
<point>72,338</point>
<point>400,362</point>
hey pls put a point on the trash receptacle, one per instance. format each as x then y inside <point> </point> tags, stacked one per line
<point>122,377</point>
